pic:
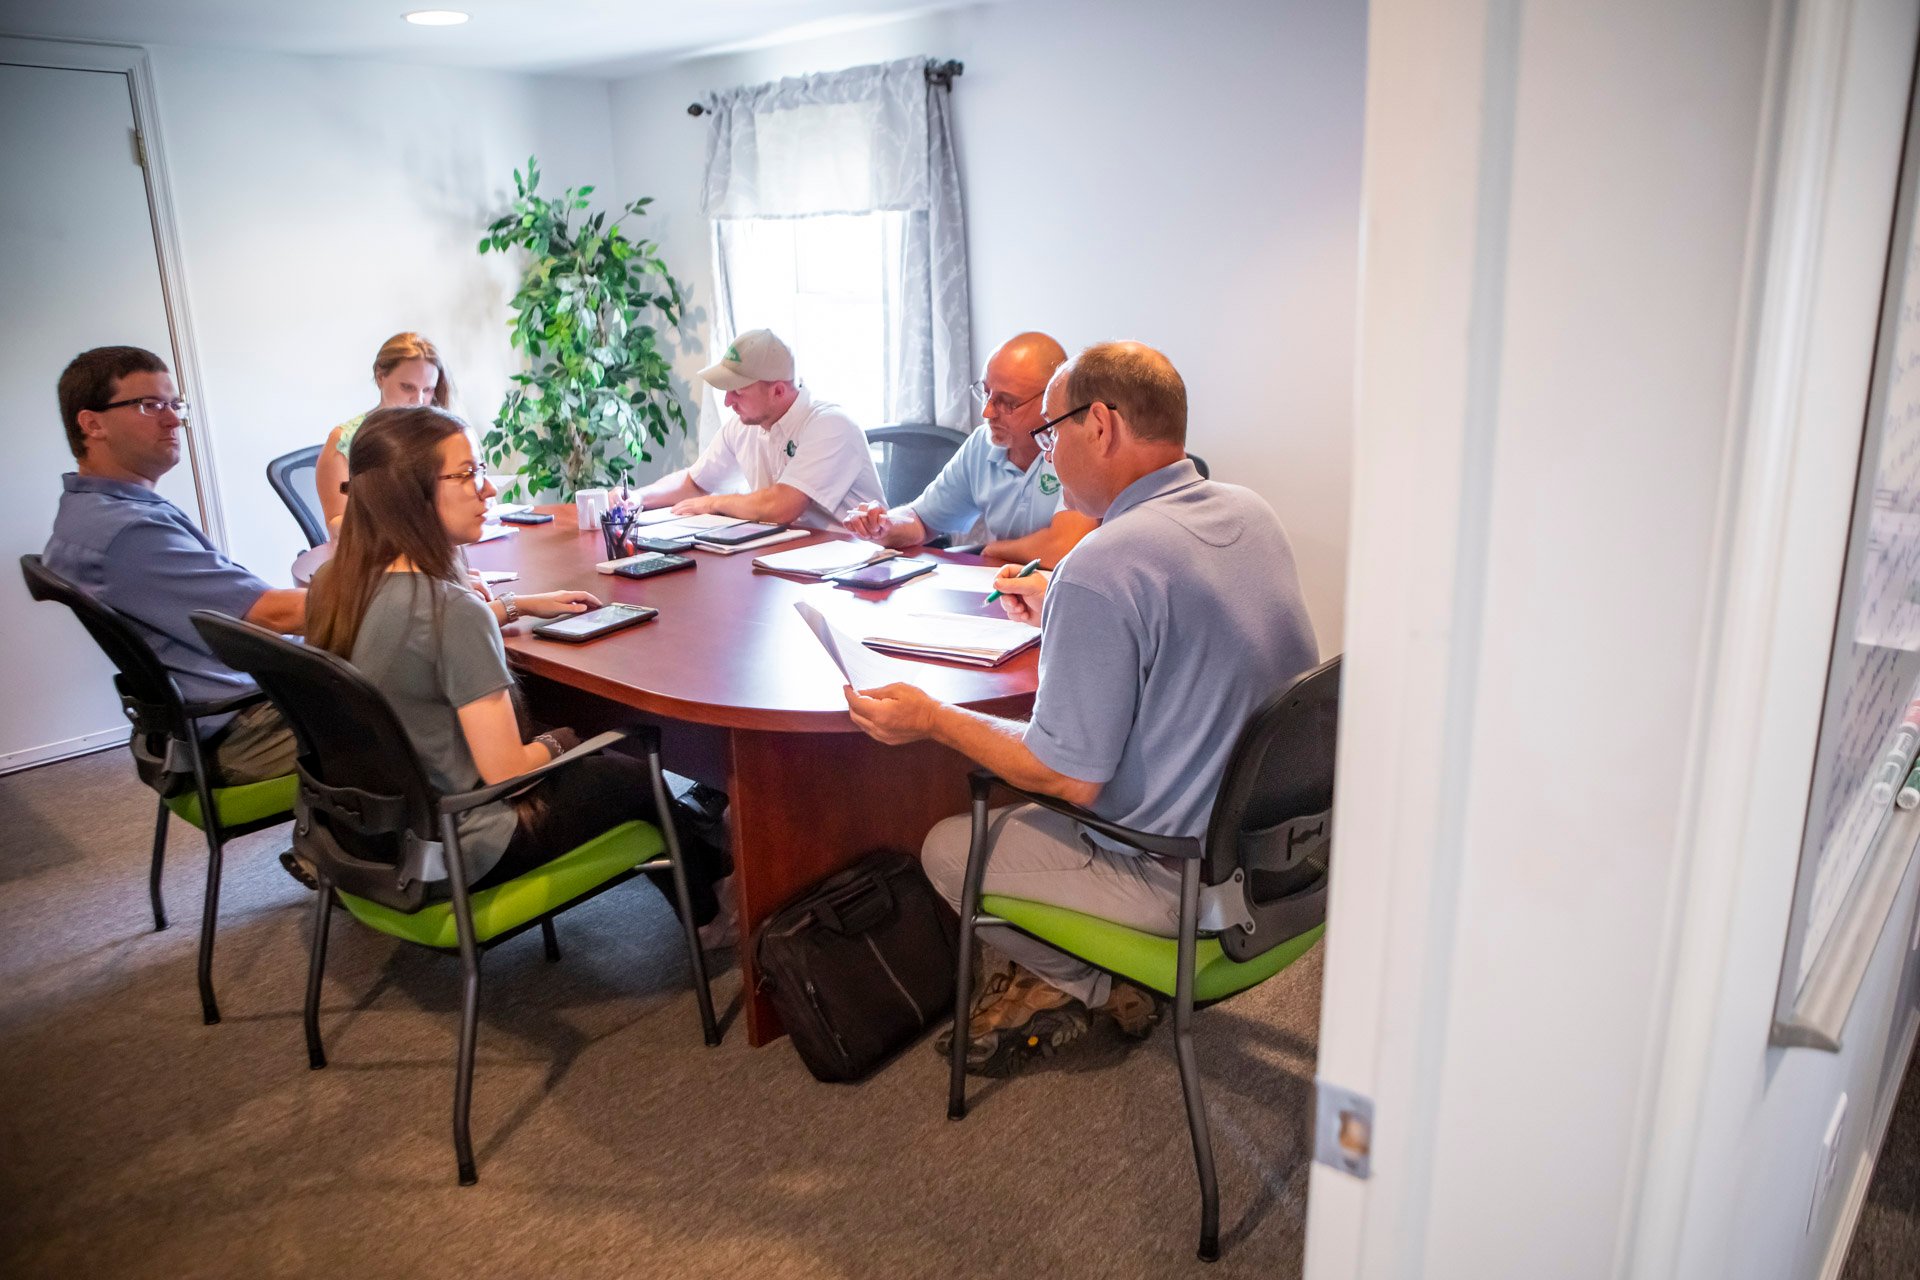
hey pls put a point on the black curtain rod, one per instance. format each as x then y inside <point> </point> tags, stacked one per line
<point>940,73</point>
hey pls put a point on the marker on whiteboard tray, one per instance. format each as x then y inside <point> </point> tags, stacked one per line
<point>1909,797</point>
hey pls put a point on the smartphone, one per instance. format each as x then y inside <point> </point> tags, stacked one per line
<point>526,517</point>
<point>595,623</point>
<point>647,565</point>
<point>879,577</point>
<point>734,534</point>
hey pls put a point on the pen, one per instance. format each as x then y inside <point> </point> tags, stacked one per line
<point>1025,569</point>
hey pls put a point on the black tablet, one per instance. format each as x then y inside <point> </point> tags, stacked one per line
<point>595,623</point>
<point>880,576</point>
<point>733,535</point>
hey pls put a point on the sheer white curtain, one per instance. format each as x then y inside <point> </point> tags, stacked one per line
<point>860,161</point>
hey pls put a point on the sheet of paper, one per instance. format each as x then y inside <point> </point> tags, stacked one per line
<point>499,509</point>
<point>966,577</point>
<point>494,576</point>
<point>857,664</point>
<point>489,532</point>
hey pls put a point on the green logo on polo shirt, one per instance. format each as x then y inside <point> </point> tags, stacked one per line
<point>791,450</point>
<point>1049,483</point>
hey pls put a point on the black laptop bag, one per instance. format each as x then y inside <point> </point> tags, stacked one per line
<point>860,966</point>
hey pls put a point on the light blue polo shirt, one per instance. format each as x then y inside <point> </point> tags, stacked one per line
<point>1162,632</point>
<point>980,487</point>
<point>132,550</point>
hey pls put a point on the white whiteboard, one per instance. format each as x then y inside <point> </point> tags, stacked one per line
<point>1875,667</point>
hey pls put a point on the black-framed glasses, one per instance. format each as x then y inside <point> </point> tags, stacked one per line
<point>475,475</point>
<point>1045,436</point>
<point>151,406</point>
<point>1001,400</point>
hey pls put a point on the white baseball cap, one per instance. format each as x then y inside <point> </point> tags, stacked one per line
<point>755,356</point>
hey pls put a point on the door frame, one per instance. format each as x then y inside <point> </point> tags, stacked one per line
<point>132,62</point>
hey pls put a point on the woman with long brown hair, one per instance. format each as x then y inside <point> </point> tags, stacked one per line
<point>394,601</point>
<point>407,371</point>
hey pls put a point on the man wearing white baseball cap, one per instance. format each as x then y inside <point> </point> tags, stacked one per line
<point>802,460</point>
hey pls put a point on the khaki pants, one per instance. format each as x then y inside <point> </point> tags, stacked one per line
<point>1038,855</point>
<point>255,745</point>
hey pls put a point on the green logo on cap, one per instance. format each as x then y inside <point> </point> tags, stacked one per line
<point>791,450</point>
<point>1049,483</point>
<point>733,354</point>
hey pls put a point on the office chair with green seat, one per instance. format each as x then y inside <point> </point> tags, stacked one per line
<point>376,833</point>
<point>167,755</point>
<point>1259,877</point>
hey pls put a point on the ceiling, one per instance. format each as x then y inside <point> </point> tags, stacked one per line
<point>586,37</point>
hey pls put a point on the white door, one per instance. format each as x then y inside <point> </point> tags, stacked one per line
<point>78,269</point>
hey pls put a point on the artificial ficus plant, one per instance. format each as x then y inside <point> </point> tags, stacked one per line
<point>597,393</point>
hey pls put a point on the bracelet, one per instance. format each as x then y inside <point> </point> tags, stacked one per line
<point>551,743</point>
<point>511,605</point>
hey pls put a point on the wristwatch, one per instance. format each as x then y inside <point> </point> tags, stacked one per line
<point>512,606</point>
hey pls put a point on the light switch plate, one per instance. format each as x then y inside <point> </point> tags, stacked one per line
<point>1829,1160</point>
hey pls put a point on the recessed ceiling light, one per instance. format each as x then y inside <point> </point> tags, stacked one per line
<point>436,17</point>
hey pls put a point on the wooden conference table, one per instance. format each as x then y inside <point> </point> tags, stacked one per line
<point>748,701</point>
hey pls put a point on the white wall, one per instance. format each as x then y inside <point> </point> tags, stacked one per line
<point>1568,211</point>
<point>325,204</point>
<point>1185,175</point>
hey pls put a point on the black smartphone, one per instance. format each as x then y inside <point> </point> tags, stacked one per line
<point>648,565</point>
<point>526,517</point>
<point>878,577</point>
<point>734,534</point>
<point>595,623</point>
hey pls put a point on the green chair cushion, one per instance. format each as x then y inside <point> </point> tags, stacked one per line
<point>527,897</point>
<point>1146,958</point>
<point>237,806</point>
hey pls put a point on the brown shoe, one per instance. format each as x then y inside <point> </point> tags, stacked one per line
<point>1017,1018</point>
<point>1134,1011</point>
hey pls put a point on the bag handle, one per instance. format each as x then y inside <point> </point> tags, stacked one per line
<point>858,908</point>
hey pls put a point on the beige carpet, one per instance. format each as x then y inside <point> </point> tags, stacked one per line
<point>136,1142</point>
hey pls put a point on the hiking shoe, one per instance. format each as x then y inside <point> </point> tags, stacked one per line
<point>1019,1018</point>
<point>300,869</point>
<point>1134,1011</point>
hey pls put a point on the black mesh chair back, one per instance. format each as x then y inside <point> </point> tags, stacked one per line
<point>1272,822</point>
<point>291,476</point>
<point>147,690</point>
<point>366,813</point>
<point>911,455</point>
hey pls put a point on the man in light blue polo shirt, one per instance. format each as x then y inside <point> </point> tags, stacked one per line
<point>123,544</point>
<point>1162,632</point>
<point>997,489</point>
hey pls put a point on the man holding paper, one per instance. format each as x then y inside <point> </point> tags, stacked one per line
<point>803,460</point>
<point>997,487</point>
<point>1162,631</point>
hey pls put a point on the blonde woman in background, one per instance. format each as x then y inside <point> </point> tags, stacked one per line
<point>408,372</point>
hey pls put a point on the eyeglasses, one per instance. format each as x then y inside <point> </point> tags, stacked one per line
<point>152,406</point>
<point>1000,400</point>
<point>1045,436</point>
<point>475,475</point>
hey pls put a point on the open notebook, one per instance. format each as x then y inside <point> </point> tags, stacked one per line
<point>956,637</point>
<point>824,558</point>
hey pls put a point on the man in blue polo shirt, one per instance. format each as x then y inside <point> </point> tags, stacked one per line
<point>997,489</point>
<point>1162,632</point>
<point>122,543</point>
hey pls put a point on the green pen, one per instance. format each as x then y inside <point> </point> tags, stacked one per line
<point>1025,569</point>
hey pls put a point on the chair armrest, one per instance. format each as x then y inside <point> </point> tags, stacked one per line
<point>221,706</point>
<point>1187,847</point>
<point>462,801</point>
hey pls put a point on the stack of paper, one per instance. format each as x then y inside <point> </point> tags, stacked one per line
<point>956,637</point>
<point>825,558</point>
<point>778,535</point>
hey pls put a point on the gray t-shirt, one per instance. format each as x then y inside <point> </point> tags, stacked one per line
<point>428,673</point>
<point>1162,632</point>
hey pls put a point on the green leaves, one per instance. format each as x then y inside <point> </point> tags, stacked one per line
<point>597,393</point>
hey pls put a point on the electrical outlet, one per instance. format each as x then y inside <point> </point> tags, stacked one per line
<point>1829,1161</point>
